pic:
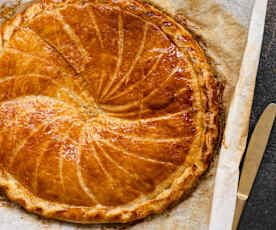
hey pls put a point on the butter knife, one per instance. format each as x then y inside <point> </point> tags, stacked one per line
<point>253,158</point>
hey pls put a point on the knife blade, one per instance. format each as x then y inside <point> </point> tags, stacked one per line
<point>253,159</point>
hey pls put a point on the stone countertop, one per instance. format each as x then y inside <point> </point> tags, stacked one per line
<point>260,212</point>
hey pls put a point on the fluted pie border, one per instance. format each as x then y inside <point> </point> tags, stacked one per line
<point>185,179</point>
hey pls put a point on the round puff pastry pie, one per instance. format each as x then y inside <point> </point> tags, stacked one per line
<point>108,110</point>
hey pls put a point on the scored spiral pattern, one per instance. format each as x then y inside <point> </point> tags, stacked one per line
<point>99,106</point>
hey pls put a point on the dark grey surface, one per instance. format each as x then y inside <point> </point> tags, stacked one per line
<point>260,212</point>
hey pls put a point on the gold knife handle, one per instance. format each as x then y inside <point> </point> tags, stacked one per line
<point>240,204</point>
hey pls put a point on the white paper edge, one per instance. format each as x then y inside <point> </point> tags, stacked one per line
<point>224,197</point>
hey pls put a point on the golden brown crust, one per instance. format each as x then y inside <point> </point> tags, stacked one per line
<point>173,130</point>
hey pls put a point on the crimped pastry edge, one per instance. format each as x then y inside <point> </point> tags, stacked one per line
<point>188,178</point>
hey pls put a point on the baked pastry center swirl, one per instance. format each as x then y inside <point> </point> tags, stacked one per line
<point>108,110</point>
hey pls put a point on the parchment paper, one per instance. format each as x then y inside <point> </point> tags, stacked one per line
<point>231,33</point>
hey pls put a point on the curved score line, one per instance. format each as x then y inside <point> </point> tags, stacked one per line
<point>74,96</point>
<point>163,117</point>
<point>121,108</point>
<point>135,176</point>
<point>115,115</point>
<point>6,127</point>
<point>100,86</point>
<point>126,115</point>
<point>46,61</point>
<point>94,21</point>
<point>72,34</point>
<point>31,97</point>
<point>158,140</point>
<point>47,44</point>
<point>79,174</point>
<point>16,51</point>
<point>100,163</point>
<point>114,162</point>
<point>62,57</point>
<point>22,143</point>
<point>120,56</point>
<point>125,78</point>
<point>61,159</point>
<point>45,145</point>
<point>1,42</point>
<point>135,155</point>
<point>157,61</point>
<point>25,140</point>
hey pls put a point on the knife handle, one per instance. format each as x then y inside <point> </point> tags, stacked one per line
<point>253,158</point>
<point>241,201</point>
